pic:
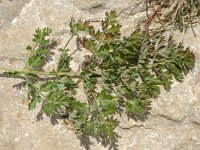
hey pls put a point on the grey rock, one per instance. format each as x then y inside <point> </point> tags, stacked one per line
<point>10,9</point>
<point>173,124</point>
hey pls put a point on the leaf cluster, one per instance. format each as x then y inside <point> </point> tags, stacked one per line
<point>122,74</point>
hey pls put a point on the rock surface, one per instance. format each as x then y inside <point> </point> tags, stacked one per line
<point>174,122</point>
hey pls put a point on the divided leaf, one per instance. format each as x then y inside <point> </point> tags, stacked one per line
<point>122,74</point>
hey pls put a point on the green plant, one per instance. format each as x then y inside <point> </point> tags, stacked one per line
<point>122,74</point>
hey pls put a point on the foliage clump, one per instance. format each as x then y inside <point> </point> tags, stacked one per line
<point>122,74</point>
<point>173,14</point>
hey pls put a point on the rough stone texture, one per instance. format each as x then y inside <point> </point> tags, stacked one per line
<point>174,122</point>
<point>9,10</point>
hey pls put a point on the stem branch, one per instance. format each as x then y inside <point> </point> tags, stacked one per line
<point>25,71</point>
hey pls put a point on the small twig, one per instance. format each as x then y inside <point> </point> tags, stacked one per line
<point>68,42</point>
<point>150,18</point>
<point>73,52</point>
<point>78,45</point>
<point>100,41</point>
<point>130,13</point>
<point>192,25</point>
<point>147,9</point>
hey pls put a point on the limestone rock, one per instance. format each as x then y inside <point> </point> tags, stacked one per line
<point>9,10</point>
<point>174,120</point>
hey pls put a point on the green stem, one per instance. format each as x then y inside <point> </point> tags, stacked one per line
<point>68,42</point>
<point>25,71</point>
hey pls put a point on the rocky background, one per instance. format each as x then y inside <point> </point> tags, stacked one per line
<point>174,122</point>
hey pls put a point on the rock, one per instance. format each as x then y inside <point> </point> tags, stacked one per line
<point>10,9</point>
<point>90,4</point>
<point>174,120</point>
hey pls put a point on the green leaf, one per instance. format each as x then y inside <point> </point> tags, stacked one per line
<point>47,86</point>
<point>88,44</point>
<point>61,86</point>
<point>12,74</point>
<point>121,74</point>
<point>107,103</point>
<point>29,48</point>
<point>40,36</point>
<point>54,101</point>
<point>72,26</point>
<point>33,102</point>
<point>48,109</point>
<point>40,53</point>
<point>63,64</point>
<point>33,94</point>
<point>134,106</point>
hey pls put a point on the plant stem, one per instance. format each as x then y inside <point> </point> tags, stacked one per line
<point>100,41</point>
<point>24,71</point>
<point>68,42</point>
